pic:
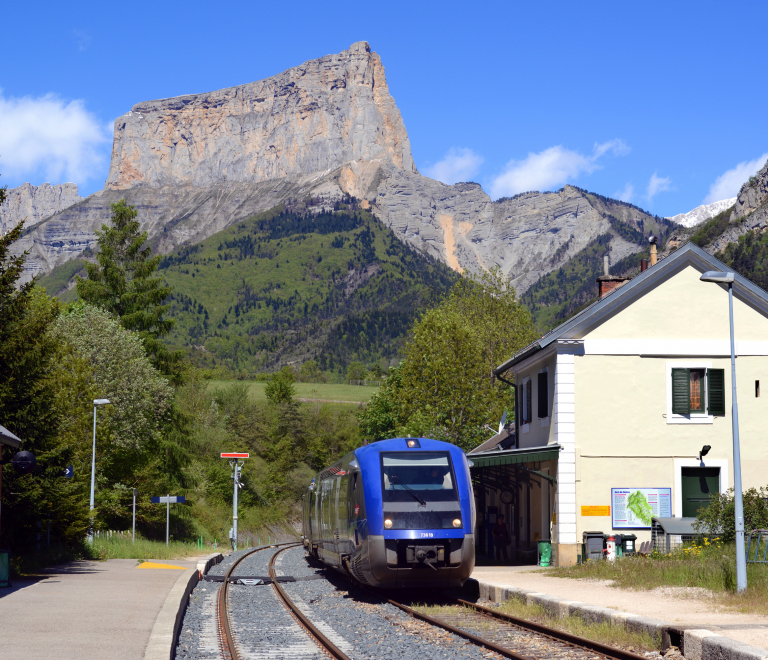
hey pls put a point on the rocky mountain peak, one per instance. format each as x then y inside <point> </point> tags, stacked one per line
<point>34,203</point>
<point>310,118</point>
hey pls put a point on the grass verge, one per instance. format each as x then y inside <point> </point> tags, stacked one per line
<point>710,568</point>
<point>313,391</point>
<point>119,547</point>
<point>605,633</point>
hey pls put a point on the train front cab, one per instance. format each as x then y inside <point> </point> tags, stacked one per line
<point>420,513</point>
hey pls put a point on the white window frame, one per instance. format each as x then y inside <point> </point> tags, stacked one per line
<point>524,428</point>
<point>693,418</point>
<point>544,420</point>
<point>680,463</point>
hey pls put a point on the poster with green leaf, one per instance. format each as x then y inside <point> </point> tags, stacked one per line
<point>633,508</point>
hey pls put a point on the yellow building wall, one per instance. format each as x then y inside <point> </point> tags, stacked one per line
<point>623,438</point>
<point>684,307</point>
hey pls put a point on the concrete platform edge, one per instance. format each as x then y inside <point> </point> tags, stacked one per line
<point>165,633</point>
<point>694,644</point>
<point>204,565</point>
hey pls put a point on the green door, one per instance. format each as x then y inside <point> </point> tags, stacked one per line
<point>698,484</point>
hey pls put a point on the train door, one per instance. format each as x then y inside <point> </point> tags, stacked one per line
<point>327,511</point>
<point>342,515</point>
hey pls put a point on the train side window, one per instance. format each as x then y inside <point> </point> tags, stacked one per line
<point>354,482</point>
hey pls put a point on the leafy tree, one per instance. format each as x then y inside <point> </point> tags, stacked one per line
<point>356,371</point>
<point>123,282</point>
<point>138,445</point>
<point>310,372</point>
<point>719,517</point>
<point>32,408</point>
<point>445,387</point>
<point>280,387</point>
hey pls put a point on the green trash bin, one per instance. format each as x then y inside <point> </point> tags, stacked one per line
<point>628,545</point>
<point>5,566</point>
<point>545,553</point>
<point>619,550</point>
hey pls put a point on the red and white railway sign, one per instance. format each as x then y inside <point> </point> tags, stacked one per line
<point>234,455</point>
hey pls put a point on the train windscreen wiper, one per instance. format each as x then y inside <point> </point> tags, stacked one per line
<point>410,490</point>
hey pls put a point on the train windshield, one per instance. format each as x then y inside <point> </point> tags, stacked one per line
<point>423,476</point>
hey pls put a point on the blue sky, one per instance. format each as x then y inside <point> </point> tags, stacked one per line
<point>662,104</point>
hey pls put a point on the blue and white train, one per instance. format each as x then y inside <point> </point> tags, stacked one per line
<point>395,513</point>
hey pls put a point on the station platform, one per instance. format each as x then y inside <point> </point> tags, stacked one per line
<point>687,607</point>
<point>86,610</point>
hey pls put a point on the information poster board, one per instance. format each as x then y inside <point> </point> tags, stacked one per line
<point>633,508</point>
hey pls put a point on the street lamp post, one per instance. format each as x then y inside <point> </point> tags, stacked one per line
<point>741,558</point>
<point>96,404</point>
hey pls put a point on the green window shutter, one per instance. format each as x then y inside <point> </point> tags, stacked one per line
<point>716,392</point>
<point>543,399</point>
<point>681,391</point>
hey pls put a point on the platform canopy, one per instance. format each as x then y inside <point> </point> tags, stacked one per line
<point>514,456</point>
<point>8,439</point>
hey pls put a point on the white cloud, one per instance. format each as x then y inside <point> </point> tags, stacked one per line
<point>551,168</point>
<point>83,39</point>
<point>457,165</point>
<point>658,184</point>
<point>48,137</point>
<point>727,185</point>
<point>625,194</point>
<point>618,147</point>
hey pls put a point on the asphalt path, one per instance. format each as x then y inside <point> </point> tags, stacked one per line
<point>85,610</point>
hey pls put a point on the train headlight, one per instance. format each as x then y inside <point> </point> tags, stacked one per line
<point>457,523</point>
<point>387,524</point>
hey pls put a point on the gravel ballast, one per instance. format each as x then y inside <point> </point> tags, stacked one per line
<point>358,622</point>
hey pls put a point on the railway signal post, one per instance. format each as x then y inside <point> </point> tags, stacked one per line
<point>237,467</point>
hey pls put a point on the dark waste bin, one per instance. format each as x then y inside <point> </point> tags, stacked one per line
<point>619,548</point>
<point>594,542</point>
<point>628,545</point>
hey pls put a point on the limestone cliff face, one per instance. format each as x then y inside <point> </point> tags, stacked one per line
<point>310,118</point>
<point>34,203</point>
<point>194,165</point>
<point>526,236</point>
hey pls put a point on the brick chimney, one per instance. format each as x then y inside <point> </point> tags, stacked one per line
<point>607,282</point>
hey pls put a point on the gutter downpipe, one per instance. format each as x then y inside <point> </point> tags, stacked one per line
<point>511,384</point>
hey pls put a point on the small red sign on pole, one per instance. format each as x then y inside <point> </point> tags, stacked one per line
<point>234,455</point>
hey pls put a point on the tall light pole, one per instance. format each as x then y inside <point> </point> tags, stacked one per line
<point>741,558</point>
<point>96,404</point>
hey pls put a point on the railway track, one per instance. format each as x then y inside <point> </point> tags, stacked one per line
<point>515,638</point>
<point>296,630</point>
<point>230,648</point>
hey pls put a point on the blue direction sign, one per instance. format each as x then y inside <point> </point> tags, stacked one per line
<point>69,471</point>
<point>172,499</point>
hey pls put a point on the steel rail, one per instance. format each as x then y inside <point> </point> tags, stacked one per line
<point>326,643</point>
<point>554,633</point>
<point>225,629</point>
<point>485,643</point>
<point>545,631</point>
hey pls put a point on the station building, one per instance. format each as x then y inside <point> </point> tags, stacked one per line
<point>615,405</point>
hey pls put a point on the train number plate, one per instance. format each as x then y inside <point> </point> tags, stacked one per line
<point>426,535</point>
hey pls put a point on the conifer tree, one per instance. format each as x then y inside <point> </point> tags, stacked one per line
<point>123,282</point>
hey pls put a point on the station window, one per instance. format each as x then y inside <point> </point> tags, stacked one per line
<point>543,398</point>
<point>699,391</point>
<point>526,404</point>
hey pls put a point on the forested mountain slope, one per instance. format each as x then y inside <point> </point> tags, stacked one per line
<point>560,293</point>
<point>290,285</point>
